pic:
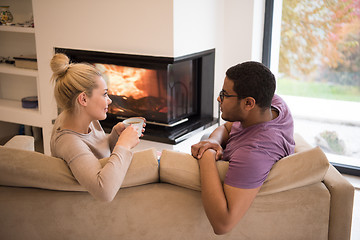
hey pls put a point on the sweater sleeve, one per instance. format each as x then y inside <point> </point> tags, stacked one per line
<point>101,182</point>
<point>112,138</point>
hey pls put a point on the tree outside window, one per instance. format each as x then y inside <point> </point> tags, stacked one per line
<point>319,57</point>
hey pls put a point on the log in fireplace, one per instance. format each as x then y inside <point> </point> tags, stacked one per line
<point>174,94</point>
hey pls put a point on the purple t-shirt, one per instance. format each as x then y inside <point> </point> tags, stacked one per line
<point>252,151</point>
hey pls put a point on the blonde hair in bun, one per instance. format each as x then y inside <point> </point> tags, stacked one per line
<point>70,80</point>
<point>59,65</point>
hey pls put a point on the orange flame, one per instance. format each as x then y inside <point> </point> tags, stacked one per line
<point>127,81</point>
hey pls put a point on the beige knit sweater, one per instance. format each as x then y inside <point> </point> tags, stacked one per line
<point>82,153</point>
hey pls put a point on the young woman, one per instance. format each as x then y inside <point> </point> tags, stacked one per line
<point>78,138</point>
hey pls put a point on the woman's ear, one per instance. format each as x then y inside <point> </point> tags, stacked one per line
<point>82,99</point>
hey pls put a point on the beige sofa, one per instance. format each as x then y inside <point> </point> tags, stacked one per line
<point>303,198</point>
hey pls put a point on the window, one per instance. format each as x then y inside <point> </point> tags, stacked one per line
<point>313,47</point>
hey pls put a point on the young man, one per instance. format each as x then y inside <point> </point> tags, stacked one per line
<point>258,133</point>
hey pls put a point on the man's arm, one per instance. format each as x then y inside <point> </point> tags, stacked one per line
<point>217,140</point>
<point>221,133</point>
<point>224,207</point>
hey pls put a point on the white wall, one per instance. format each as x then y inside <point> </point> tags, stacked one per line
<point>240,36</point>
<point>243,31</point>
<point>194,26</point>
<point>138,27</point>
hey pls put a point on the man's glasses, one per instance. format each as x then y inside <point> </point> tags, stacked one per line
<point>223,94</point>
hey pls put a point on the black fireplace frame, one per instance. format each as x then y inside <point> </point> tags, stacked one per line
<point>203,118</point>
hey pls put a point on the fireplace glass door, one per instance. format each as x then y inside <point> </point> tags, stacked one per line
<point>161,95</point>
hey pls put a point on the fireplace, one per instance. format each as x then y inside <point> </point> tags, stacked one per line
<point>175,95</point>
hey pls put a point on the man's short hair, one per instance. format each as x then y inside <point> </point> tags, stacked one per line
<point>253,79</point>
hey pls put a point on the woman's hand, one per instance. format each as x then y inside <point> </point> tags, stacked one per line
<point>119,128</point>
<point>144,125</point>
<point>128,138</point>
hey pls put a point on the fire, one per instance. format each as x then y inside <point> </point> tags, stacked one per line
<point>127,81</point>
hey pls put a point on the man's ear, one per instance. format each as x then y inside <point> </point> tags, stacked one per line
<point>249,103</point>
<point>82,99</point>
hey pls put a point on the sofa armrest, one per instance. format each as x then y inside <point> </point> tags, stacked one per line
<point>21,142</point>
<point>341,206</point>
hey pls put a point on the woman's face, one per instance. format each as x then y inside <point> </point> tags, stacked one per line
<point>99,101</point>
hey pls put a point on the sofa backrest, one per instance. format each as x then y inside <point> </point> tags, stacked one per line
<point>22,168</point>
<point>297,170</point>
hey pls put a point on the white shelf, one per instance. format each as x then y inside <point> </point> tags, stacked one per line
<point>11,69</point>
<point>17,29</point>
<point>12,111</point>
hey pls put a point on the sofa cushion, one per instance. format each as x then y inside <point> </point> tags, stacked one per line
<point>32,169</point>
<point>297,170</point>
<point>182,169</point>
<point>301,145</point>
<point>21,142</point>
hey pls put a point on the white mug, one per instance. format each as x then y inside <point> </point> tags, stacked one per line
<point>138,123</point>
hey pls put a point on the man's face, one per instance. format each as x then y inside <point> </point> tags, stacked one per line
<point>229,103</point>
